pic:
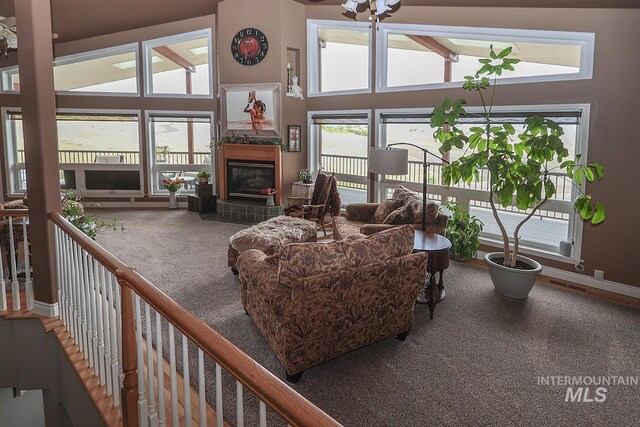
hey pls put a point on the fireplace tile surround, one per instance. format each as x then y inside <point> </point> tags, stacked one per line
<point>246,211</point>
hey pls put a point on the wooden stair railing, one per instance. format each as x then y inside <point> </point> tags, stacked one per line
<point>96,304</point>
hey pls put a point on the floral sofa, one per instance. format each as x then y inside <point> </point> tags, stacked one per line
<point>316,301</point>
<point>405,207</point>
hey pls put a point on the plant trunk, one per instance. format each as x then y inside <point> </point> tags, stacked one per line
<point>503,231</point>
<point>516,232</point>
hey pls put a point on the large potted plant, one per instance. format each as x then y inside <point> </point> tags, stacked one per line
<point>519,166</point>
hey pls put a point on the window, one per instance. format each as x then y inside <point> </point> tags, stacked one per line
<point>105,71</point>
<point>10,79</point>
<point>179,147</point>
<point>339,57</point>
<point>179,65</point>
<point>97,151</point>
<point>340,145</point>
<point>414,57</point>
<point>556,222</point>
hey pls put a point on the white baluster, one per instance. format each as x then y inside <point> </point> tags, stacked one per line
<point>3,288</point>
<point>186,383</point>
<point>202,403</point>
<point>239,405</point>
<point>63,283</point>
<point>162,412</point>
<point>263,414</point>
<point>59,271</point>
<point>115,370</point>
<point>106,325</point>
<point>82,302</point>
<point>15,287</point>
<point>151,394</point>
<point>99,319</point>
<point>219,415</point>
<point>91,312</point>
<point>142,400</point>
<point>173,380</point>
<point>28,283</point>
<point>73,289</point>
<point>119,321</point>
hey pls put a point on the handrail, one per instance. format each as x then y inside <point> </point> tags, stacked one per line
<point>14,212</point>
<point>289,404</point>
<point>105,257</point>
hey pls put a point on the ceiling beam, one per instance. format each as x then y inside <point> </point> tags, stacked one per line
<point>431,44</point>
<point>174,57</point>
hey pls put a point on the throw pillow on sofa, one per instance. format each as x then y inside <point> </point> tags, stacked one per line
<point>414,203</point>
<point>388,244</point>
<point>384,209</point>
<point>399,216</point>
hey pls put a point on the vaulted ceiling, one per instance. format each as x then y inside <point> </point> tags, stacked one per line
<point>78,19</point>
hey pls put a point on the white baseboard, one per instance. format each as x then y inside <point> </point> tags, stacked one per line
<point>584,280</point>
<point>45,309</point>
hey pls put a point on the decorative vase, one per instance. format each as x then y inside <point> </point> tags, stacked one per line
<point>511,282</point>
<point>173,202</point>
<point>270,201</point>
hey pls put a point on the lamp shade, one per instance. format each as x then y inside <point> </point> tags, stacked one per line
<point>393,161</point>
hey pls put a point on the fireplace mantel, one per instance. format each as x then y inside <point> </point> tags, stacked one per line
<point>249,152</point>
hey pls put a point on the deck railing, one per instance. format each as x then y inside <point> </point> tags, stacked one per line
<point>127,329</point>
<point>357,166</point>
<point>128,157</point>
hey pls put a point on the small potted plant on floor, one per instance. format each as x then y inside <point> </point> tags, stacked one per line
<point>463,230</point>
<point>519,166</point>
<point>203,176</point>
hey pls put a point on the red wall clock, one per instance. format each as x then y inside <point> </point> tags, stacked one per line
<point>249,46</point>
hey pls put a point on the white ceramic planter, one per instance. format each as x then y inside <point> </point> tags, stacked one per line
<point>510,282</point>
<point>173,202</point>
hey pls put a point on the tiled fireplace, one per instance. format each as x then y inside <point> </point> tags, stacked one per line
<point>243,170</point>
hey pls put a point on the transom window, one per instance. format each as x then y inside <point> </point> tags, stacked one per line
<point>179,65</point>
<point>112,70</point>
<point>339,57</point>
<point>413,57</point>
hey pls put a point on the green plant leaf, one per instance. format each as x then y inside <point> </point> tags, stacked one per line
<point>599,214</point>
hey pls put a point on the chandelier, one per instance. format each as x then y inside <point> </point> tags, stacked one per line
<point>8,37</point>
<point>377,7</point>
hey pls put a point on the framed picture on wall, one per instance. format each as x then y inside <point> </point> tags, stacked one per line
<point>293,137</point>
<point>251,109</point>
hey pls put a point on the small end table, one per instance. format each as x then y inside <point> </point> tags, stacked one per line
<point>437,247</point>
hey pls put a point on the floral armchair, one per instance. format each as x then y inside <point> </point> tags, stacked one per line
<point>316,301</point>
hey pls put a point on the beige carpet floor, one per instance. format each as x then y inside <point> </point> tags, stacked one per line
<point>477,363</point>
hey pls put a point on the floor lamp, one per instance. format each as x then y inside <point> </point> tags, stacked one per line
<point>394,161</point>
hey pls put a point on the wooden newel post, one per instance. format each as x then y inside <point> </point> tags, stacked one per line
<point>129,390</point>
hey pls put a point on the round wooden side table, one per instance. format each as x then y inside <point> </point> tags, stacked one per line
<point>437,247</point>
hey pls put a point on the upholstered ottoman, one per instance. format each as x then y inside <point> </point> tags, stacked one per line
<point>269,235</point>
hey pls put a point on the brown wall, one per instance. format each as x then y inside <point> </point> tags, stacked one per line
<point>614,95</point>
<point>283,22</point>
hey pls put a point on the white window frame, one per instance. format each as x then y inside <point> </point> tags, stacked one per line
<point>586,41</point>
<point>5,75</point>
<point>576,224</point>
<point>314,155</point>
<point>313,56</point>
<point>151,157</point>
<point>100,53</point>
<point>11,157</point>
<point>147,45</point>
